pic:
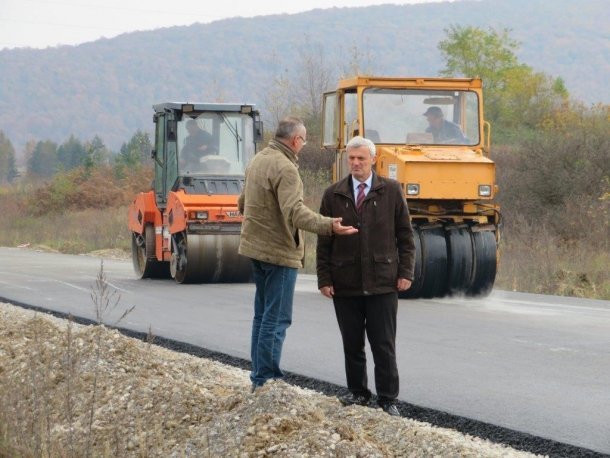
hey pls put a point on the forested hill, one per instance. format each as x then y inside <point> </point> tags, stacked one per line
<point>107,87</point>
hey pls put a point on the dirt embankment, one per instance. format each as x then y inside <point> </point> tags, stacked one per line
<point>70,390</point>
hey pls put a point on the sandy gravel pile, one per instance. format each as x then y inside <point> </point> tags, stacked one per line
<point>71,390</point>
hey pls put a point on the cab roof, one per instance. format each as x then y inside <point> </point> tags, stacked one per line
<point>412,82</point>
<point>202,106</point>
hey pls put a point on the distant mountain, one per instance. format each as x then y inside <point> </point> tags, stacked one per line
<point>107,87</point>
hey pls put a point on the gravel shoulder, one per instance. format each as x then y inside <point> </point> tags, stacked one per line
<point>91,390</point>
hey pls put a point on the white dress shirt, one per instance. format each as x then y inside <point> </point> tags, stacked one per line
<point>368,183</point>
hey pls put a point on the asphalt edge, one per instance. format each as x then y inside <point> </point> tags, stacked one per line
<point>496,434</point>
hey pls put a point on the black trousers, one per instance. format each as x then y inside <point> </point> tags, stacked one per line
<point>375,316</point>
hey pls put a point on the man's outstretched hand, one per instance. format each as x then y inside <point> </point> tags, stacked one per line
<point>342,230</point>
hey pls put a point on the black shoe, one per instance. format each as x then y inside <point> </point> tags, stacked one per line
<point>351,399</point>
<point>390,408</point>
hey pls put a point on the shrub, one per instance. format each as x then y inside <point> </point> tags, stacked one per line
<point>559,176</point>
<point>82,188</point>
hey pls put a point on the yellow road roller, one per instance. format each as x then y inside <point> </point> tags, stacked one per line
<point>431,137</point>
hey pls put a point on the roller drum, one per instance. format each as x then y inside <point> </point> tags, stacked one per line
<point>212,259</point>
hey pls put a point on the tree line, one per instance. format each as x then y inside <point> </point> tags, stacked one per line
<point>45,158</point>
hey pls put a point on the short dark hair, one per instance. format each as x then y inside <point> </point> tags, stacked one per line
<point>434,111</point>
<point>288,126</point>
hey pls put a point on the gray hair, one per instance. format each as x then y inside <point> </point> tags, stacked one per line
<point>288,127</point>
<point>359,141</point>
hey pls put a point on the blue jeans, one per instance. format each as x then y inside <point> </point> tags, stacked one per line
<point>272,316</point>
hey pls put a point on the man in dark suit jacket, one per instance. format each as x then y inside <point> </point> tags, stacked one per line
<point>362,273</point>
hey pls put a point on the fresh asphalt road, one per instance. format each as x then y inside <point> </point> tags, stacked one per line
<point>532,363</point>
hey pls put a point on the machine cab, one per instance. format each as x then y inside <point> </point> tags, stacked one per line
<point>202,144</point>
<point>411,113</point>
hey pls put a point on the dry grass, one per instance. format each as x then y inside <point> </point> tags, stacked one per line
<point>71,232</point>
<point>534,260</point>
<point>79,211</point>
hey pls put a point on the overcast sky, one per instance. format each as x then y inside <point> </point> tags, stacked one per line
<point>42,23</point>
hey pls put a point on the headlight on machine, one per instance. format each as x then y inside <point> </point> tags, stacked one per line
<point>484,190</point>
<point>412,189</point>
<point>201,215</point>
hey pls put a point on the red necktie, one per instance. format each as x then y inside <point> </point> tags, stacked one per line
<point>360,196</point>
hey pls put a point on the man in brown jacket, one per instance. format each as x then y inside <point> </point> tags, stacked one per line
<point>274,214</point>
<point>362,273</point>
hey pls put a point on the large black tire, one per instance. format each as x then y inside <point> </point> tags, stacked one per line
<point>434,262</point>
<point>143,256</point>
<point>484,271</point>
<point>460,254</point>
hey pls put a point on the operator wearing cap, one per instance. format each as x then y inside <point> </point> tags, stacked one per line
<point>442,130</point>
